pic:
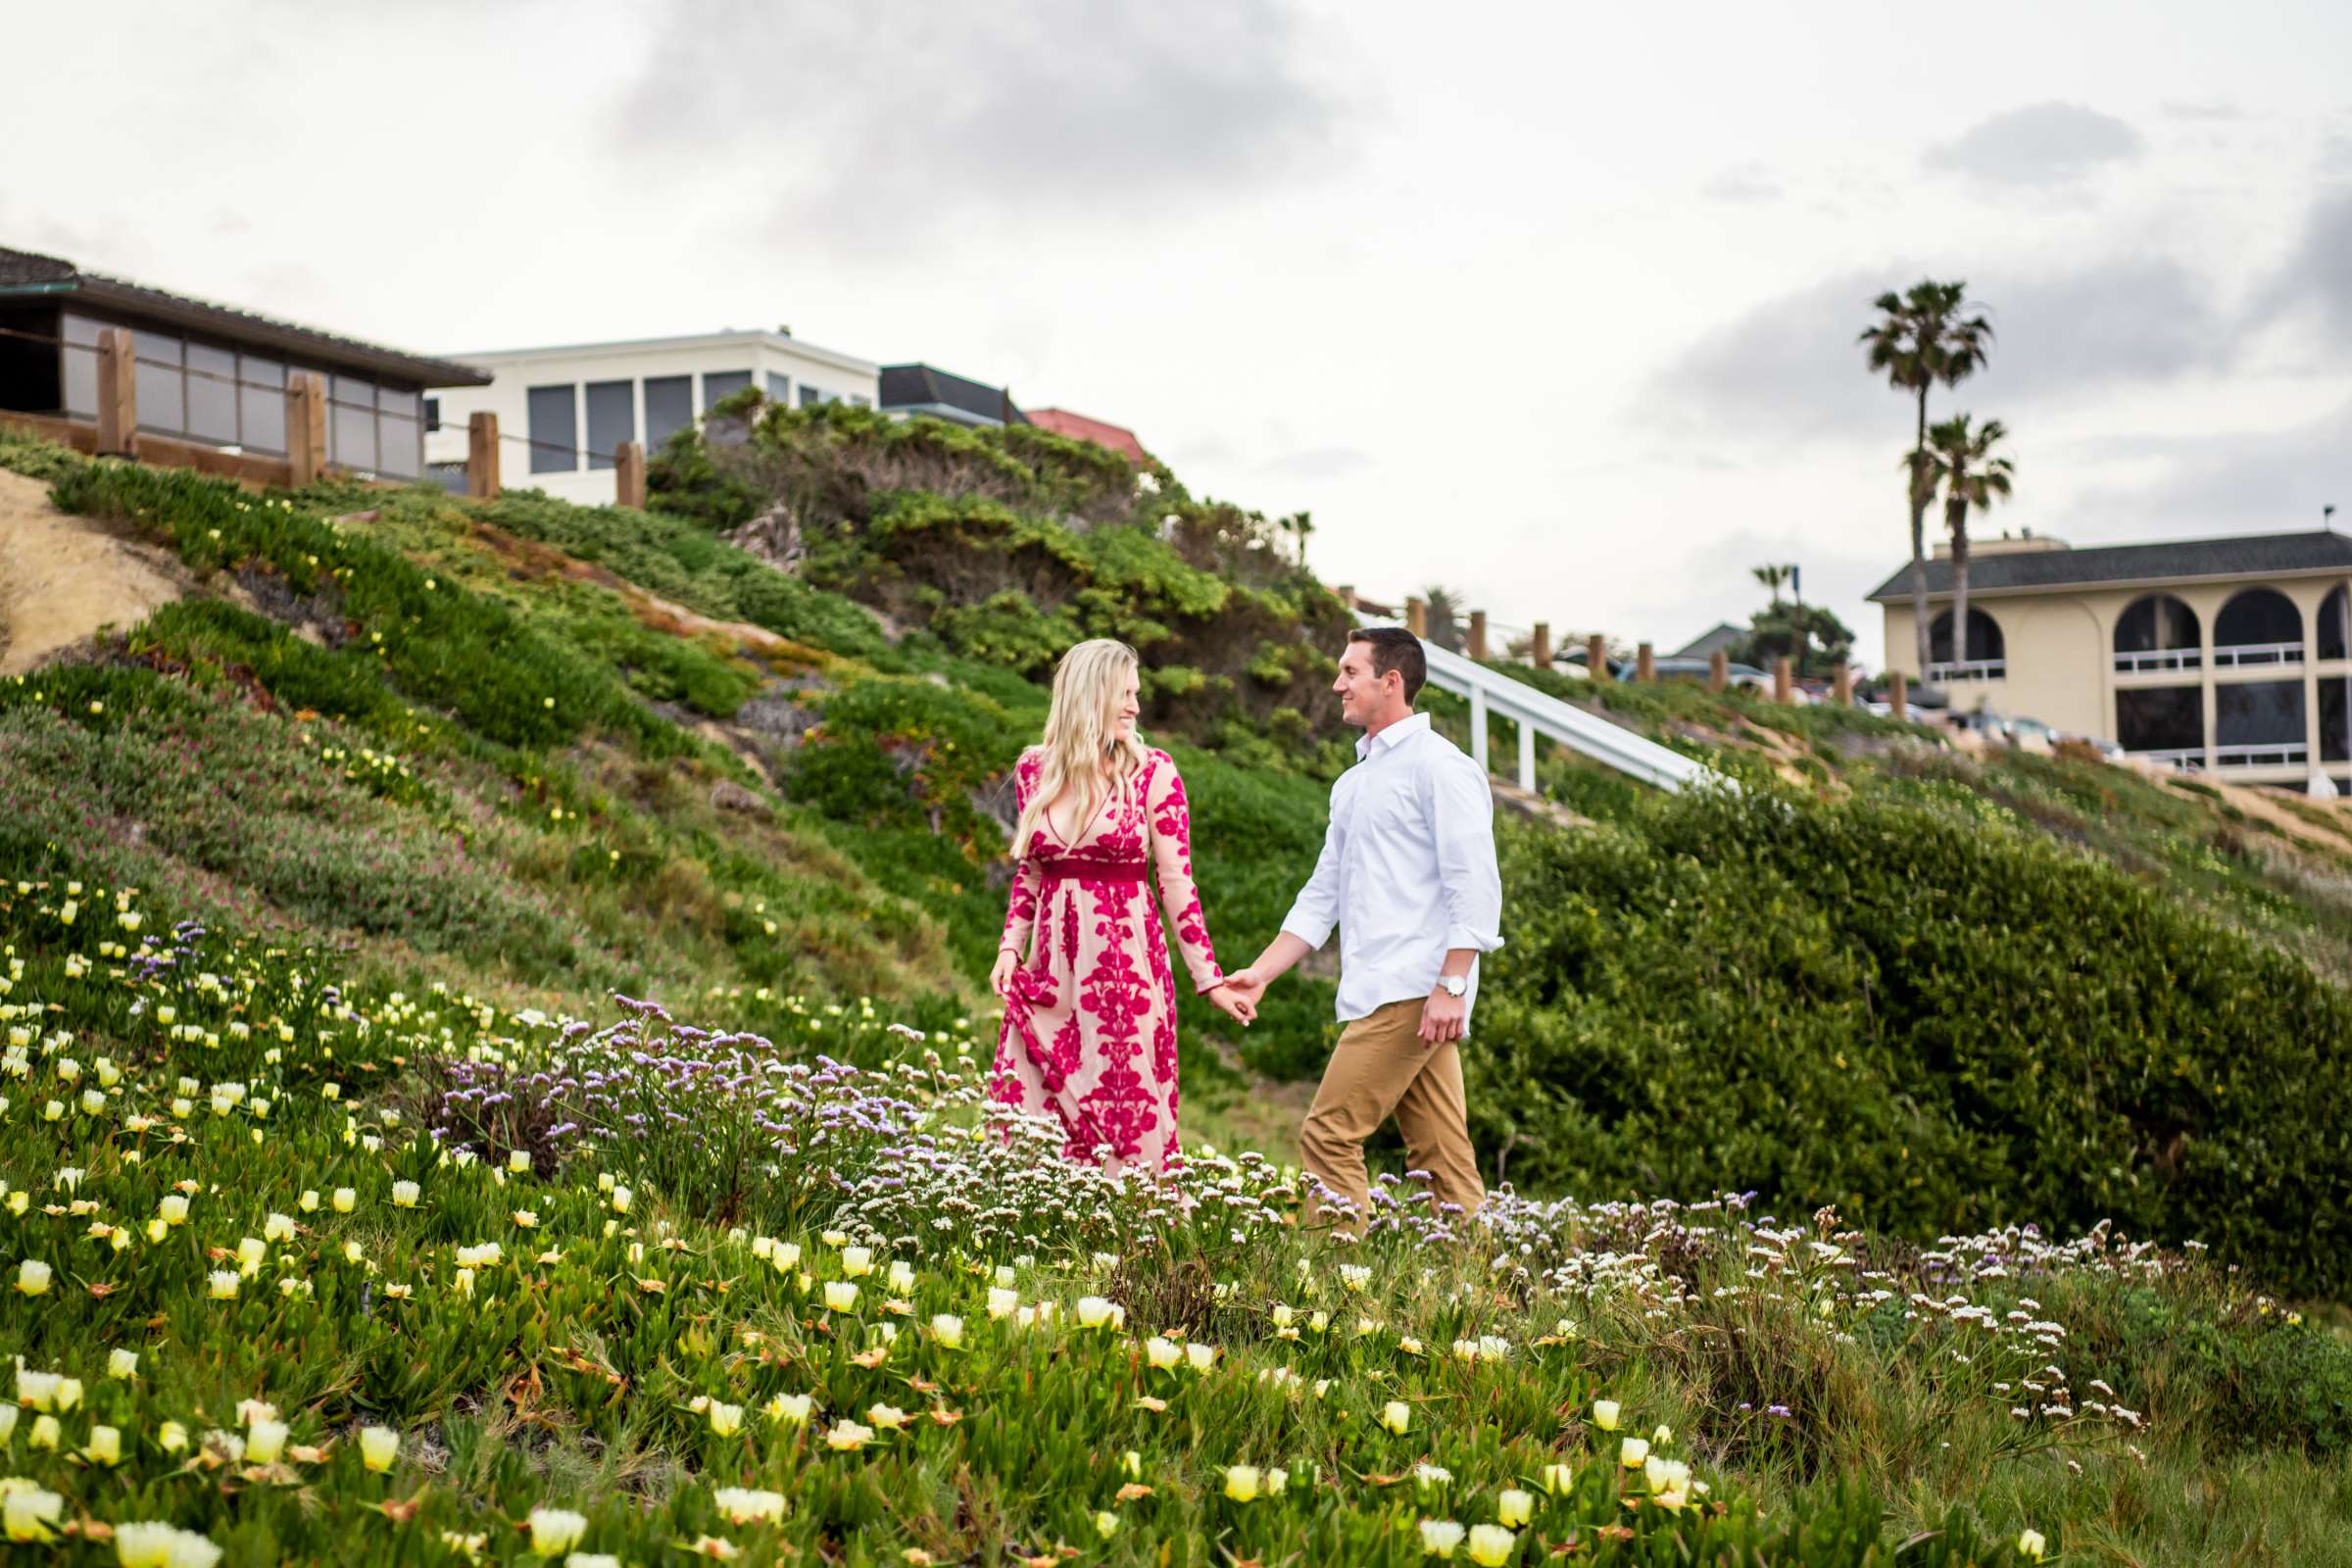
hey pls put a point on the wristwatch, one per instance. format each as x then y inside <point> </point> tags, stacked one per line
<point>1455,984</point>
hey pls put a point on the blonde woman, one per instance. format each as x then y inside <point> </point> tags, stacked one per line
<point>1090,1001</point>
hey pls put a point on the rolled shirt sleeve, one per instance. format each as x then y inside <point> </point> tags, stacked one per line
<point>1316,909</point>
<point>1462,821</point>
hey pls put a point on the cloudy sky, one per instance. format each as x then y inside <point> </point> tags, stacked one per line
<point>1554,304</point>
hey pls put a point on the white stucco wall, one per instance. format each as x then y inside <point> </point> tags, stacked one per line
<point>763,353</point>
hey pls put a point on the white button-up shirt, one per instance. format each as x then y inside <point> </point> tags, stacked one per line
<point>1407,869</point>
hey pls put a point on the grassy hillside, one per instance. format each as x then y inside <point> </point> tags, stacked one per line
<point>426,778</point>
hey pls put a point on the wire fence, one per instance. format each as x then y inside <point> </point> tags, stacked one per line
<point>286,389</point>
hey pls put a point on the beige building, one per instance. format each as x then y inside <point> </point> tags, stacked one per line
<point>2233,655</point>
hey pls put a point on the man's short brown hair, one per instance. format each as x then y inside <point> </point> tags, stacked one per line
<point>1395,649</point>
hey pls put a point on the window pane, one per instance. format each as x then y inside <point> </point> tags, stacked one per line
<point>2160,718</point>
<point>81,367</point>
<point>401,441</point>
<point>779,388</point>
<point>668,408</point>
<point>260,411</point>
<point>718,384</point>
<point>612,419</point>
<point>432,413</point>
<point>555,429</point>
<point>811,397</point>
<point>212,405</point>
<point>392,399</point>
<point>351,423</point>
<point>2260,712</point>
<point>162,389</point>
<point>2335,719</point>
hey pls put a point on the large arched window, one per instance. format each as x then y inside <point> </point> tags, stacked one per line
<point>2158,632</point>
<point>1983,658</point>
<point>2259,626</point>
<point>2334,637</point>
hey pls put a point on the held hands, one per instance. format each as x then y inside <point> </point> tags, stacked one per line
<point>1239,995</point>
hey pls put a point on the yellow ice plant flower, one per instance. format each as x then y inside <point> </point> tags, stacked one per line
<point>793,1407</point>
<point>1397,1416</point>
<point>1513,1506</point>
<point>887,1418</point>
<point>1440,1538</point>
<point>840,1295</point>
<point>1604,1414</point>
<point>1492,1545</point>
<point>2030,1544</point>
<point>27,1513</point>
<point>1106,1524</point>
<point>1242,1481</point>
<point>1097,1312</point>
<point>621,1199</point>
<point>171,1436</point>
<point>223,1284</point>
<point>1632,1452</point>
<point>948,1328</point>
<point>520,1161</point>
<point>743,1506</point>
<point>345,1199</point>
<point>379,1448</point>
<point>902,1278</point>
<point>33,1277</point>
<point>847,1437</point>
<point>725,1419</point>
<point>264,1441</point>
<point>526,1219</point>
<point>556,1531</point>
<point>857,1263</point>
<point>104,1445</point>
<point>123,1365</point>
<point>278,1228</point>
<point>405,1194</point>
<point>1163,1355</point>
<point>1003,1302</point>
<point>1200,1356</point>
<point>1555,1477</point>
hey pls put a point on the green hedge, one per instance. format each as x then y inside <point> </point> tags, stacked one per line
<point>1933,1022</point>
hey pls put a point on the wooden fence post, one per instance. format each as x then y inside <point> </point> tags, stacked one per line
<point>1478,634</point>
<point>1784,684</point>
<point>306,427</point>
<point>1719,670</point>
<point>118,392</point>
<point>1597,657</point>
<point>1539,651</point>
<point>1345,593</point>
<point>1416,615</point>
<point>1645,664</point>
<point>1846,685</point>
<point>1898,699</point>
<point>628,469</point>
<point>481,454</point>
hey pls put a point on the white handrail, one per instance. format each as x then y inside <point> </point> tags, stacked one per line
<point>1541,714</point>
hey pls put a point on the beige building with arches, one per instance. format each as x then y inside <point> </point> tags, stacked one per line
<point>2226,655</point>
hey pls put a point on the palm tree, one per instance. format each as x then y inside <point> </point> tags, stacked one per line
<point>1444,607</point>
<point>1920,340</point>
<point>1771,577</point>
<point>1972,475</point>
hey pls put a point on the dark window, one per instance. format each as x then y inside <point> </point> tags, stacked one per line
<point>2335,719</point>
<point>719,384</point>
<point>555,429</point>
<point>261,405</point>
<point>2155,625</point>
<point>351,423</point>
<point>212,394</point>
<point>2335,625</point>
<point>668,408</point>
<point>779,388</point>
<point>612,419</point>
<point>811,397</point>
<point>2260,712</point>
<point>432,413</point>
<point>1983,637</point>
<point>161,387</point>
<point>2258,618</point>
<point>2161,719</point>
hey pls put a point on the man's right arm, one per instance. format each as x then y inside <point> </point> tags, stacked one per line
<point>1312,915</point>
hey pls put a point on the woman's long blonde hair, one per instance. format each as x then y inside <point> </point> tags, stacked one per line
<point>1083,753</point>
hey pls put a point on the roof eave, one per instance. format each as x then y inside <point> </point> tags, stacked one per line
<point>295,341</point>
<point>1980,591</point>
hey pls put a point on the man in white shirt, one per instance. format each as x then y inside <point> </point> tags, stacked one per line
<point>1407,873</point>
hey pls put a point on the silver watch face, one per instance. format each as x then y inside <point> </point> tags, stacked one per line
<point>1455,984</point>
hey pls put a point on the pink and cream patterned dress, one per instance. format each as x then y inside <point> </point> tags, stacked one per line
<point>1089,1030</point>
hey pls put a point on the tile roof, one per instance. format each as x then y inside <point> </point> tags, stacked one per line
<point>25,272</point>
<point>2252,555</point>
<point>1103,433</point>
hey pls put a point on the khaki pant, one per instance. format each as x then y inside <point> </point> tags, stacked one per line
<point>1383,1067</point>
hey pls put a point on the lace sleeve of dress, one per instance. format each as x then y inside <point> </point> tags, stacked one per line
<point>1020,914</point>
<point>1171,821</point>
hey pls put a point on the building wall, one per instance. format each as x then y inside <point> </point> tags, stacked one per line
<point>775,365</point>
<point>2060,662</point>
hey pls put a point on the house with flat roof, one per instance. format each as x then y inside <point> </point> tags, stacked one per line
<point>1102,433</point>
<point>576,402</point>
<point>912,390</point>
<point>2233,655</point>
<point>207,375</point>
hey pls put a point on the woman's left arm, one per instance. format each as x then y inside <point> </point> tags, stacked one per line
<point>1171,828</point>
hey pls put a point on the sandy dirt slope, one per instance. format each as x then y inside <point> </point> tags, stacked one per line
<point>61,577</point>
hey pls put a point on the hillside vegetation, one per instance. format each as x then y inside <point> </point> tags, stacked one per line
<point>428,777</point>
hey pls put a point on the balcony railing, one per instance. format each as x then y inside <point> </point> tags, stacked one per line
<point>2271,754</point>
<point>2259,654</point>
<point>2191,758</point>
<point>1969,669</point>
<point>2153,659</point>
